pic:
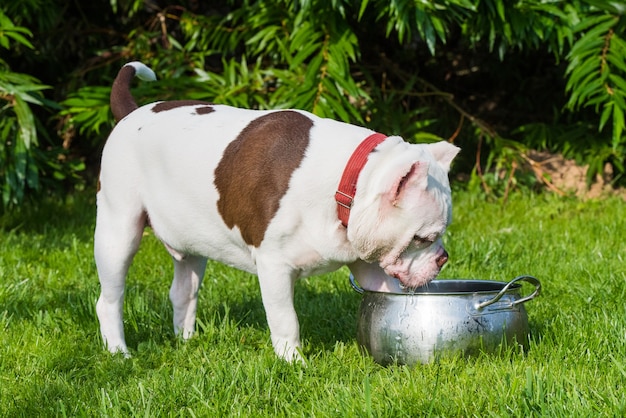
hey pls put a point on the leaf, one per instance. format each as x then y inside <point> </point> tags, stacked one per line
<point>500,9</point>
<point>587,45</point>
<point>426,137</point>
<point>582,72</point>
<point>611,6</point>
<point>606,114</point>
<point>581,93</point>
<point>617,61</point>
<point>618,44</point>
<point>362,9</point>
<point>426,29</point>
<point>17,36</point>
<point>593,88</point>
<point>304,54</point>
<point>26,121</point>
<point>618,126</point>
<point>17,33</point>
<point>591,20</point>
<point>89,108</point>
<point>618,82</point>
<point>260,41</point>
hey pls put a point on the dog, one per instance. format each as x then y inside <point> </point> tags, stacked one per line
<point>282,194</point>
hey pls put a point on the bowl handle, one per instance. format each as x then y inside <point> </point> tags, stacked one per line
<point>529,279</point>
<point>355,285</point>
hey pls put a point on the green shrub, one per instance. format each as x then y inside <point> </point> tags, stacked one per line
<point>495,77</point>
<point>19,170</point>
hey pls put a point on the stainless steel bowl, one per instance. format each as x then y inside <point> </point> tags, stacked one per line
<point>441,318</point>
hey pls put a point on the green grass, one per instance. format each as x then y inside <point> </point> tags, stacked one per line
<point>52,362</point>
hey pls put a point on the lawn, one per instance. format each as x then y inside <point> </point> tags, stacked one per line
<point>52,362</point>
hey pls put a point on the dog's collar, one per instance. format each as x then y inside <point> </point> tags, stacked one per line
<point>347,186</point>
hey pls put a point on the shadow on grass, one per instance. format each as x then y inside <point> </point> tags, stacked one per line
<point>325,317</point>
<point>24,301</point>
<point>73,214</point>
<point>48,264</point>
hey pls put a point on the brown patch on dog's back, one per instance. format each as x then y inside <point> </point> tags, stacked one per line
<point>173,104</point>
<point>204,110</point>
<point>255,170</point>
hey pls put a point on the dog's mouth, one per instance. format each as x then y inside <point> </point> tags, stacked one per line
<point>411,282</point>
<point>411,276</point>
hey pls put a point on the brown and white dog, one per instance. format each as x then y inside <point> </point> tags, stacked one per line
<point>282,194</point>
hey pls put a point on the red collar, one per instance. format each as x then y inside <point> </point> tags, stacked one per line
<point>347,186</point>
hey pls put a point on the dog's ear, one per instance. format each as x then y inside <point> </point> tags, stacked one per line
<point>444,152</point>
<point>415,178</point>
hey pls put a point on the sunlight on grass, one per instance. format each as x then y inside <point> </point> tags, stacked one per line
<point>52,362</point>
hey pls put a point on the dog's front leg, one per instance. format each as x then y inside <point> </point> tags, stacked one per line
<point>277,287</point>
<point>188,273</point>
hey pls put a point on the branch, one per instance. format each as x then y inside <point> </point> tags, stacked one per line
<point>447,97</point>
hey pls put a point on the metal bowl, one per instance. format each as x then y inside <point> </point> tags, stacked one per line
<point>441,318</point>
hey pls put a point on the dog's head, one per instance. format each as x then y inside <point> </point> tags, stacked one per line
<point>402,208</point>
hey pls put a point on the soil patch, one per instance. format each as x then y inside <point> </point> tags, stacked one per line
<point>566,177</point>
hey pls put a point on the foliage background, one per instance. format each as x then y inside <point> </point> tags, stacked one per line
<point>495,77</point>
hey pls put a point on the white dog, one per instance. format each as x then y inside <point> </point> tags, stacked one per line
<point>282,194</point>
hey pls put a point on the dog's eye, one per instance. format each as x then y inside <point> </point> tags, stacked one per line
<point>422,240</point>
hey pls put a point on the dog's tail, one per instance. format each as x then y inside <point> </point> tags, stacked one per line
<point>122,102</point>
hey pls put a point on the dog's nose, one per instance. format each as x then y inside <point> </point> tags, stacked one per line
<point>442,258</point>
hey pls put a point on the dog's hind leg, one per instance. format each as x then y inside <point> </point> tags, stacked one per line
<point>188,273</point>
<point>116,240</point>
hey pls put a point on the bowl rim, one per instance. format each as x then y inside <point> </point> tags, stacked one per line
<point>432,288</point>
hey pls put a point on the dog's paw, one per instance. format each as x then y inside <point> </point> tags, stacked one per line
<point>290,353</point>
<point>118,349</point>
<point>122,353</point>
